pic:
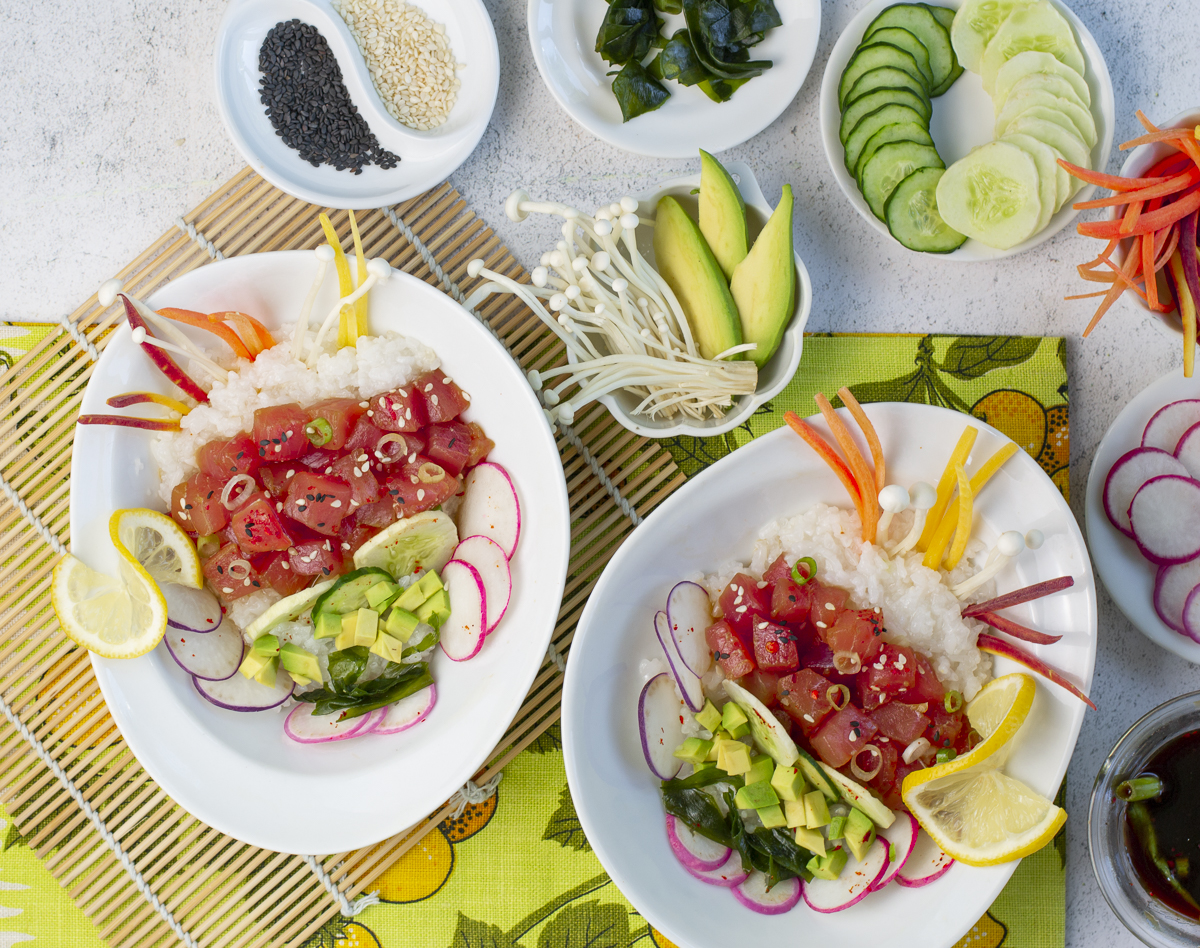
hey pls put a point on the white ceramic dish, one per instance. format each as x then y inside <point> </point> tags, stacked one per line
<point>563,34</point>
<point>963,118</point>
<point>237,771</point>
<point>1128,576</point>
<point>427,157</point>
<point>699,527</point>
<point>772,377</point>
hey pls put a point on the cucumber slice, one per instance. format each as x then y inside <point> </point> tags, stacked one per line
<point>865,105</point>
<point>912,216</point>
<point>873,56</point>
<point>992,195</point>
<point>1066,143</point>
<point>910,44</point>
<point>1076,115</point>
<point>950,80</point>
<point>1046,159</point>
<point>886,77</point>
<point>903,132</point>
<point>1063,181</point>
<point>1042,82</point>
<point>288,609</point>
<point>976,23</point>
<point>1039,27</point>
<point>349,592</point>
<point>890,165</point>
<point>422,541</point>
<point>766,730</point>
<point>1030,63</point>
<point>859,796</point>
<point>811,768</point>
<point>870,124</point>
<point>944,15</point>
<point>920,21</point>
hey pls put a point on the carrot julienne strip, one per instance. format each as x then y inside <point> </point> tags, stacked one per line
<point>1130,217</point>
<point>869,432</point>
<point>858,465</point>
<point>945,487</point>
<point>1111,181</point>
<point>1148,269</point>
<point>1166,188</point>
<point>1015,629</point>
<point>1165,134</point>
<point>1127,270</point>
<point>827,454</point>
<point>1149,222</point>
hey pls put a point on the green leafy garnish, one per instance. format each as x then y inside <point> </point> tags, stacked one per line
<point>668,6</point>
<point>715,29</point>
<point>678,61</point>
<point>628,32</point>
<point>354,699</point>
<point>346,667</point>
<point>699,811</point>
<point>637,91</point>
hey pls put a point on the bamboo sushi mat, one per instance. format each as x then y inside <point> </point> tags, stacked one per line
<point>219,891</point>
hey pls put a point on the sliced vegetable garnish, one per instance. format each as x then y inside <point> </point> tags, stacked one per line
<point>1015,629</point>
<point>838,696</point>
<point>863,476</point>
<point>810,570</point>
<point>949,524</point>
<point>360,305</point>
<point>869,432</point>
<point>201,321</point>
<point>345,281</point>
<point>966,507</point>
<point>945,487</point>
<point>827,454</point>
<point>1019,596</point>
<point>953,702</point>
<point>997,646</point>
<point>318,431</point>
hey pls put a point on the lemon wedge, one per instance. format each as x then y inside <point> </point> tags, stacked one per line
<point>158,544</point>
<point>115,618</point>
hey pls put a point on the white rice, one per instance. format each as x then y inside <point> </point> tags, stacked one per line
<point>919,610</point>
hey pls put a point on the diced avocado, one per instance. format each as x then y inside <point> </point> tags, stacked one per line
<point>772,816</point>
<point>761,770</point>
<point>722,214</point>
<point>366,626</point>
<point>401,624</point>
<point>300,679</point>
<point>379,595</point>
<point>755,796</point>
<point>345,638</point>
<point>812,840</point>
<point>837,828</point>
<point>712,754</point>
<point>694,750</point>
<point>683,258</point>
<point>733,720</point>
<point>266,645</point>
<point>328,625</point>
<point>435,610</point>
<point>387,647</point>
<point>430,583</point>
<point>794,811</point>
<point>410,600</point>
<point>764,284</point>
<point>829,866</point>
<point>859,796</point>
<point>266,674</point>
<point>299,661</point>
<point>737,759</point>
<point>253,663</point>
<point>789,783</point>
<point>860,833</point>
<point>815,775</point>
<point>703,765</point>
<point>816,810</point>
<point>710,717</point>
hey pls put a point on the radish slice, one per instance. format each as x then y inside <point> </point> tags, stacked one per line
<point>659,721</point>
<point>407,712</point>
<point>1167,425</point>
<point>901,837</point>
<point>1191,616</point>
<point>729,875</point>
<point>488,558</point>
<point>463,632</point>
<point>853,885</point>
<point>213,656</point>
<point>490,507</point>
<point>689,613</point>
<point>689,682</point>
<point>1165,517</point>
<point>1130,471</point>
<point>195,610</point>
<point>1187,452</point>
<point>239,693</point>
<point>924,864</point>
<point>1171,588</point>
<point>692,849</point>
<point>304,727</point>
<point>754,895</point>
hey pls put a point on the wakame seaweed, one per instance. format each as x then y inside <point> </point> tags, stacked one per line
<point>699,811</point>
<point>668,6</point>
<point>679,61</point>
<point>713,30</point>
<point>637,91</point>
<point>703,778</point>
<point>629,31</point>
<point>354,699</point>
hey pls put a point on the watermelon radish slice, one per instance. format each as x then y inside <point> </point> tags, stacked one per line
<point>693,850</point>
<point>239,693</point>
<point>753,894</point>
<point>491,564</point>
<point>689,613</point>
<point>213,656</point>
<point>1167,425</point>
<point>407,712</point>
<point>688,681</point>
<point>304,727</point>
<point>902,837</point>
<point>490,507</point>
<point>730,874</point>
<point>925,864</point>
<point>1187,452</point>
<point>1130,471</point>
<point>659,714</point>
<point>463,631</point>
<point>193,610</point>
<point>1171,588</point>
<point>854,884</point>
<point>1165,517</point>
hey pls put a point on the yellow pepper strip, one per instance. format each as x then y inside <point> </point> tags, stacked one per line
<point>1187,314</point>
<point>949,523</point>
<point>360,305</point>
<point>945,488</point>
<point>966,510</point>
<point>345,281</point>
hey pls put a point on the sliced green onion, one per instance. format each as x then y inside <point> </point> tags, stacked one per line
<point>810,570</point>
<point>319,432</point>
<point>946,754</point>
<point>835,692</point>
<point>1147,787</point>
<point>953,702</point>
<point>208,546</point>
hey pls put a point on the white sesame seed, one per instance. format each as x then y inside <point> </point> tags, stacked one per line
<point>446,380</point>
<point>808,718</point>
<point>226,589</point>
<point>287,565</point>
<point>822,625</point>
<point>428,388</point>
<point>336,503</point>
<point>345,546</point>
<point>364,404</point>
<point>829,606</point>
<point>763,584</point>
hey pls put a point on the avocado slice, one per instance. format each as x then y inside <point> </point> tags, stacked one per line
<point>764,284</point>
<point>722,214</point>
<point>299,661</point>
<point>860,833</point>
<point>684,259</point>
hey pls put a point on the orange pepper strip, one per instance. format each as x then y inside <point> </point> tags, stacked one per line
<point>1166,188</point>
<point>827,454</point>
<point>1111,181</point>
<point>869,433</point>
<point>858,465</point>
<point>264,334</point>
<point>1149,222</point>
<point>245,329</point>
<point>200,321</point>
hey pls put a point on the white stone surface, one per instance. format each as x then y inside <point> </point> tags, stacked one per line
<point>109,131</point>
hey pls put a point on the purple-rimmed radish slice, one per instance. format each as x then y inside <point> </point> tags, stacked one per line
<point>925,864</point>
<point>753,894</point>
<point>407,712</point>
<point>693,850</point>
<point>1191,616</point>
<point>490,507</point>
<point>730,873</point>
<point>1171,588</point>
<point>659,722</point>
<point>196,610</point>
<point>1187,452</point>
<point>1128,473</point>
<point>853,885</point>
<point>689,682</point>
<point>1165,517</point>
<point>1167,425</point>
<point>213,656</point>
<point>463,631</point>
<point>901,837</point>
<point>487,556</point>
<point>689,613</point>
<point>239,693</point>
<point>304,727</point>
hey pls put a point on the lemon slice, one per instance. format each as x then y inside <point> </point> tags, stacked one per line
<point>158,544</point>
<point>115,618</point>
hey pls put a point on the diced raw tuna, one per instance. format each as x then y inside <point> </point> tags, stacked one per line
<point>449,445</point>
<point>945,728</point>
<point>883,781</point>
<point>364,437</point>
<point>342,414</point>
<point>278,433</point>
<point>412,490</point>
<point>805,697</point>
<point>481,445</point>
<point>856,631</point>
<point>828,602</point>
<point>353,533</point>
<point>228,586</point>
<point>179,509</point>
<point>791,603</point>
<point>224,459</point>
<point>318,501</point>
<point>444,401</point>
<point>321,558</point>
<point>318,460</point>
<point>901,722</point>
<point>763,685</point>
<point>819,657</point>
<point>202,499</point>
<point>378,515</point>
<point>741,601</point>
<point>728,650</point>
<point>277,573</point>
<point>842,734</point>
<point>893,672</point>
<point>257,527</point>
<point>401,410</point>
<point>774,647</point>
<point>928,686</point>
<point>275,478</point>
<point>365,489</point>
<point>892,797</point>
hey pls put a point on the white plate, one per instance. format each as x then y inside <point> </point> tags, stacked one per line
<point>563,34</point>
<point>1128,576</point>
<point>427,158</point>
<point>715,517</point>
<point>238,772</point>
<point>963,118</point>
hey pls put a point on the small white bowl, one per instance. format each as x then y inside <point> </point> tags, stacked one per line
<point>426,157</point>
<point>772,377</point>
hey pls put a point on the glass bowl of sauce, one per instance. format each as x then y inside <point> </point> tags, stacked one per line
<point>1144,826</point>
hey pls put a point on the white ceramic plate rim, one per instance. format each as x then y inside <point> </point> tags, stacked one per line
<point>592,721</point>
<point>204,757</point>
<point>1098,81</point>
